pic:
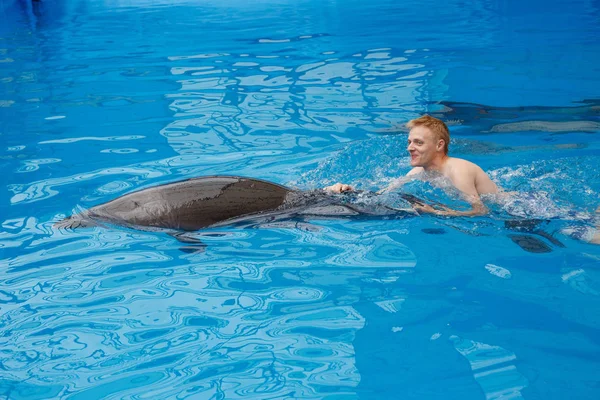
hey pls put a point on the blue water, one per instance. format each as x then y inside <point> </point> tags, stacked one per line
<point>101,98</point>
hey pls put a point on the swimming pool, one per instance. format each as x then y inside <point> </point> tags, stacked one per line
<point>101,98</point>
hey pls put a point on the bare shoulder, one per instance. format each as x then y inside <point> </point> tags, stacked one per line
<point>483,183</point>
<point>458,164</point>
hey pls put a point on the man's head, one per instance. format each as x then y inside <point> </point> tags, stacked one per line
<point>427,140</point>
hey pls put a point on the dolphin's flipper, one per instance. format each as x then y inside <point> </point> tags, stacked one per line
<point>530,243</point>
<point>532,226</point>
<point>550,238</point>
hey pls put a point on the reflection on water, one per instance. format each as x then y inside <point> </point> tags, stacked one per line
<point>493,369</point>
<point>132,306</point>
<point>265,311</point>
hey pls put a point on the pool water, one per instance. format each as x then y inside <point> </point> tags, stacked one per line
<point>101,98</point>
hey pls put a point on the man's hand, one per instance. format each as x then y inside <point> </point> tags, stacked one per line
<point>478,209</point>
<point>339,188</point>
<point>425,209</point>
<point>441,210</point>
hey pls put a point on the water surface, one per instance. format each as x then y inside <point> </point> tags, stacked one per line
<point>101,98</point>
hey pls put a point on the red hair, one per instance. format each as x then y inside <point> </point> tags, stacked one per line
<point>437,126</point>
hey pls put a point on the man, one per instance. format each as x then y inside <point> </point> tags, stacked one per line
<point>428,141</point>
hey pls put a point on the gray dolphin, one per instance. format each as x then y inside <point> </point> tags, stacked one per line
<point>210,201</point>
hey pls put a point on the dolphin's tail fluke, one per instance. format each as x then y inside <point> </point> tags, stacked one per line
<point>75,221</point>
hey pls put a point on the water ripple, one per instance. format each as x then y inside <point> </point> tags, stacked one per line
<point>306,96</point>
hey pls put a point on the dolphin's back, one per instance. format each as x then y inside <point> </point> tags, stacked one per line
<point>187,205</point>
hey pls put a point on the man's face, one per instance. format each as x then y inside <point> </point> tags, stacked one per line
<point>423,146</point>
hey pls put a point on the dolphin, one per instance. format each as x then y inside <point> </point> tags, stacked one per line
<point>210,201</point>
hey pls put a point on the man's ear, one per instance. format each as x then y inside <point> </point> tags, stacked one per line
<point>440,144</point>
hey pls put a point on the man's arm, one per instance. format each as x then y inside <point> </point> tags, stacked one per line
<point>396,183</point>
<point>477,208</point>
<point>483,183</point>
<point>464,178</point>
<point>476,183</point>
<point>342,187</point>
